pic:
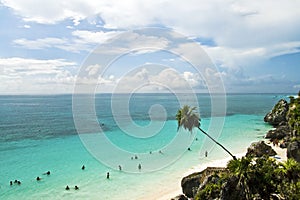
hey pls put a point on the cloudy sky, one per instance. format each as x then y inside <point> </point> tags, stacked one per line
<point>254,45</point>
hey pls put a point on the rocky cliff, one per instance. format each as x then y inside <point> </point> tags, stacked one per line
<point>278,113</point>
<point>285,117</point>
<point>261,178</point>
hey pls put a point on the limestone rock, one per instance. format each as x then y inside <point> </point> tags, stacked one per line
<point>229,190</point>
<point>274,134</point>
<point>258,149</point>
<point>293,150</point>
<point>278,113</point>
<point>190,184</point>
<point>279,133</point>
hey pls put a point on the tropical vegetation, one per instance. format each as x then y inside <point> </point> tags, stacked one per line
<point>251,177</point>
<point>260,178</point>
<point>293,115</point>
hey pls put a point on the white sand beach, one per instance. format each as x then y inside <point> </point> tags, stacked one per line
<point>281,153</point>
<point>175,189</point>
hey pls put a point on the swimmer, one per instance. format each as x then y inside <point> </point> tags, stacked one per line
<point>47,173</point>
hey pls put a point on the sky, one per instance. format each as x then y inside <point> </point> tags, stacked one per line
<point>48,47</point>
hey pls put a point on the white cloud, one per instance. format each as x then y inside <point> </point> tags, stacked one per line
<point>99,37</point>
<point>93,69</point>
<point>21,75</point>
<point>50,12</point>
<point>41,43</point>
<point>193,79</point>
<point>244,33</point>
<point>135,43</point>
<point>236,57</point>
<point>24,64</point>
<point>238,27</point>
<point>82,40</point>
<point>235,23</point>
<point>146,79</point>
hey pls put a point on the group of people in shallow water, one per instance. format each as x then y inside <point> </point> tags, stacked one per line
<point>76,187</point>
<point>39,178</point>
<point>15,182</point>
<point>67,187</point>
<point>83,168</point>
<point>19,182</point>
<point>46,173</point>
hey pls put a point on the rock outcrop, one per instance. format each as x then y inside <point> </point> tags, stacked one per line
<point>278,113</point>
<point>285,117</point>
<point>190,184</point>
<point>211,184</point>
<point>283,130</point>
<point>258,149</point>
<point>230,191</point>
<point>293,150</point>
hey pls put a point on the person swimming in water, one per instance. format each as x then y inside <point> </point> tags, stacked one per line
<point>140,166</point>
<point>83,167</point>
<point>120,167</point>
<point>107,175</point>
<point>67,187</point>
<point>47,173</point>
<point>76,187</point>
<point>38,178</point>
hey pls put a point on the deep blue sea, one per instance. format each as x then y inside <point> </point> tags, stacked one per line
<point>37,134</point>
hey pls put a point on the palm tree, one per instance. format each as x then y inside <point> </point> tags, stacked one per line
<point>240,168</point>
<point>290,169</point>
<point>188,118</point>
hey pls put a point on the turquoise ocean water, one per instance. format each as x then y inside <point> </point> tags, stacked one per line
<point>37,134</point>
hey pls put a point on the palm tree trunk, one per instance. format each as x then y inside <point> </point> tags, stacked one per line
<point>234,158</point>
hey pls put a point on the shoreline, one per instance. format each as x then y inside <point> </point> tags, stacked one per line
<point>177,190</point>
